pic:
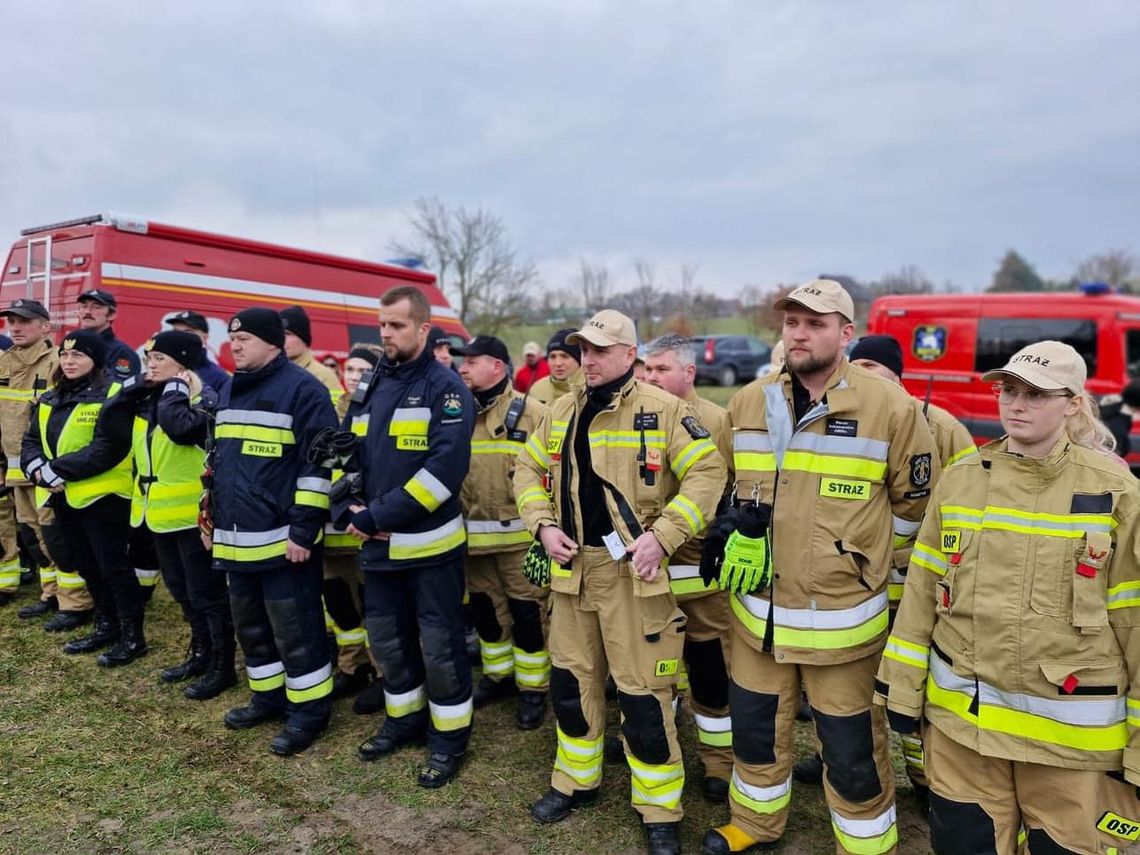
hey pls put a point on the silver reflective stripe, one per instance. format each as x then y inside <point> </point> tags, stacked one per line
<point>1046,525</point>
<point>404,698</point>
<point>495,526</point>
<point>865,828</point>
<point>314,485</point>
<point>895,577</point>
<point>1082,711</point>
<point>851,446</point>
<point>48,476</point>
<point>817,618</point>
<point>411,414</point>
<point>255,417</point>
<point>713,724</point>
<point>684,571</point>
<point>945,678</point>
<point>362,420</point>
<point>751,441</point>
<point>779,421</point>
<point>423,538</point>
<point>176,386</point>
<point>307,681</point>
<point>433,485</point>
<point>260,672</point>
<point>14,463</point>
<point>762,794</point>
<point>250,538</point>
<point>904,527</point>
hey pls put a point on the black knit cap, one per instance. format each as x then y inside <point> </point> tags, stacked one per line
<point>86,342</point>
<point>369,356</point>
<point>183,347</point>
<point>883,349</point>
<point>436,337</point>
<point>558,342</point>
<point>296,321</point>
<point>264,323</point>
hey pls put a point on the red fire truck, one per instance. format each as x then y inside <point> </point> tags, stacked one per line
<point>950,340</point>
<point>156,270</point>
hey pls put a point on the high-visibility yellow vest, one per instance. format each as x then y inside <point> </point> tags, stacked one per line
<point>167,482</point>
<point>77,433</point>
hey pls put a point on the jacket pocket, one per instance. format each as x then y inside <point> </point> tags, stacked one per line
<point>663,628</point>
<point>858,563</point>
<point>1090,583</point>
<point>1053,562</point>
<point>1106,680</point>
<point>641,588</point>
<point>563,580</point>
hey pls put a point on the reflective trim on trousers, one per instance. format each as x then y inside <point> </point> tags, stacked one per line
<point>532,670</point>
<point>579,759</point>
<point>714,730</point>
<point>658,785</point>
<point>147,578</point>
<point>425,544</point>
<point>866,836</point>
<point>309,687</point>
<point>69,581</point>
<point>760,799</point>
<point>446,717</point>
<point>821,629</point>
<point>405,703</point>
<point>349,637</point>
<point>266,678</point>
<point>496,657</point>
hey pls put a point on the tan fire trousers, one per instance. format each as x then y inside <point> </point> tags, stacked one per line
<point>351,643</point>
<point>706,665</point>
<point>67,587</point>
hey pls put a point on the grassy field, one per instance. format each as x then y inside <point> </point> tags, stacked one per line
<point>115,762</point>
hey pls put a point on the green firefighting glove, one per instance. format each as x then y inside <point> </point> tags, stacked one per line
<point>747,565</point>
<point>536,565</point>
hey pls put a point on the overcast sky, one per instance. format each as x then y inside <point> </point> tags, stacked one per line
<point>763,141</point>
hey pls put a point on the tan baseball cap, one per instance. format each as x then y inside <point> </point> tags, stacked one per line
<point>531,348</point>
<point>605,328</point>
<point>823,296</point>
<point>1047,365</point>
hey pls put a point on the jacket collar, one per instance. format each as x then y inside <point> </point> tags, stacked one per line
<point>1045,469</point>
<point>33,354</point>
<point>619,389</point>
<point>406,370</point>
<point>245,379</point>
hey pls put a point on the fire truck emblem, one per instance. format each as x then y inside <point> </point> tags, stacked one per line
<point>929,343</point>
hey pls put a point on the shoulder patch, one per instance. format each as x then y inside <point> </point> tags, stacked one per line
<point>920,469</point>
<point>453,404</point>
<point>694,427</point>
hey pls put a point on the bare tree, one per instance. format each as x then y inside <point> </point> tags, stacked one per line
<point>474,262</point>
<point>1116,267</point>
<point>591,287</point>
<point>645,298</point>
<point>908,279</point>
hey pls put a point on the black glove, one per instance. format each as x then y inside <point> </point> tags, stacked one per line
<point>331,448</point>
<point>712,551</point>
<point>344,494</point>
<point>900,723</point>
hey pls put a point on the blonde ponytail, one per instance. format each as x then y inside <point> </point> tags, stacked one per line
<point>1086,429</point>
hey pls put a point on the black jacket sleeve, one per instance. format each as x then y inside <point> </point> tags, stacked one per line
<point>110,443</point>
<point>184,422</point>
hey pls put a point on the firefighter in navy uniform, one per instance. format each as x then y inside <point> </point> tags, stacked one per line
<point>833,471</point>
<point>510,613</point>
<point>417,451</point>
<point>268,505</point>
<point>670,364</point>
<point>616,477</point>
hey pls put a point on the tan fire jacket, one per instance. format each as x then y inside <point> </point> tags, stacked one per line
<point>856,468</point>
<point>688,473</point>
<point>548,389</point>
<point>322,372</point>
<point>487,496</point>
<point>684,566</point>
<point>1015,636</point>
<point>25,373</point>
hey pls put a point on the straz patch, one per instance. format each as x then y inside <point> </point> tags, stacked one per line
<point>920,470</point>
<point>412,443</point>
<point>665,667</point>
<point>951,541</point>
<point>841,488</point>
<point>842,427</point>
<point>648,421</point>
<point>1117,826</point>
<point>452,404</point>
<point>261,449</point>
<point>695,428</point>
<point>929,343</point>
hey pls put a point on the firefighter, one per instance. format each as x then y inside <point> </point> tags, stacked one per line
<point>509,612</point>
<point>77,452</point>
<point>268,505</point>
<point>172,410</point>
<point>97,311</point>
<point>1015,641</point>
<point>565,361</point>
<point>298,341</point>
<point>344,606</point>
<point>615,479</point>
<point>26,370</point>
<point>440,344</point>
<point>881,354</point>
<point>417,451</point>
<point>671,364</point>
<point>829,460</point>
<point>208,371</point>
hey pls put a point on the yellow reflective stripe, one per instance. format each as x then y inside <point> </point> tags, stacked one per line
<point>1123,596</point>
<point>404,703</point>
<point>681,587</point>
<point>309,687</point>
<point>760,799</point>
<point>689,511</point>
<point>958,455</point>
<point>10,573</point>
<point>496,446</point>
<point>413,427</point>
<point>421,494</point>
<point>714,730</point>
<point>690,454</point>
<point>999,518</point>
<point>866,836</point>
<point>659,785</point>
<point>579,759</point>
<point>266,678</point>
<point>424,544</point>
<point>49,574</point>
<point>311,499</point>
<point>283,436</point>
<point>448,717</point>
<point>929,559</point>
<point>532,670</point>
<point>349,637</point>
<point>627,438</point>
<point>814,639</point>
<point>496,657</point>
<point>226,552</point>
<point>477,540</point>
<point>907,652</point>
<point>831,464</point>
<point>538,452</point>
<point>531,495</point>
<point>70,581</point>
<point>1133,719</point>
<point>9,394</point>
<point>754,461</point>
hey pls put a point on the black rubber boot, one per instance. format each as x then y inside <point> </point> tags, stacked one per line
<point>130,646</point>
<point>104,633</point>
<point>220,675</point>
<point>197,659</point>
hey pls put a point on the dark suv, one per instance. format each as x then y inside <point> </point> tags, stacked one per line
<point>726,359</point>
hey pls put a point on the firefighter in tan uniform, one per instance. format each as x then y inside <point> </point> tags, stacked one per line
<point>670,364</point>
<point>509,613</point>
<point>565,361</point>
<point>298,347</point>
<point>25,373</point>
<point>881,354</point>
<point>1015,641</point>
<point>829,460</point>
<point>615,479</point>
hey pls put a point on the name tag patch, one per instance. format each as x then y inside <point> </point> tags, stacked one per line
<point>841,488</point>
<point>412,443</point>
<point>951,541</point>
<point>1118,826</point>
<point>842,427</point>
<point>261,449</point>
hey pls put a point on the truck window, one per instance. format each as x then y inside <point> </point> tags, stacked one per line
<point>1001,338</point>
<point>1133,343</point>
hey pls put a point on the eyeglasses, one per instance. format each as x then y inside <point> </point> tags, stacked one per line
<point>1034,398</point>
